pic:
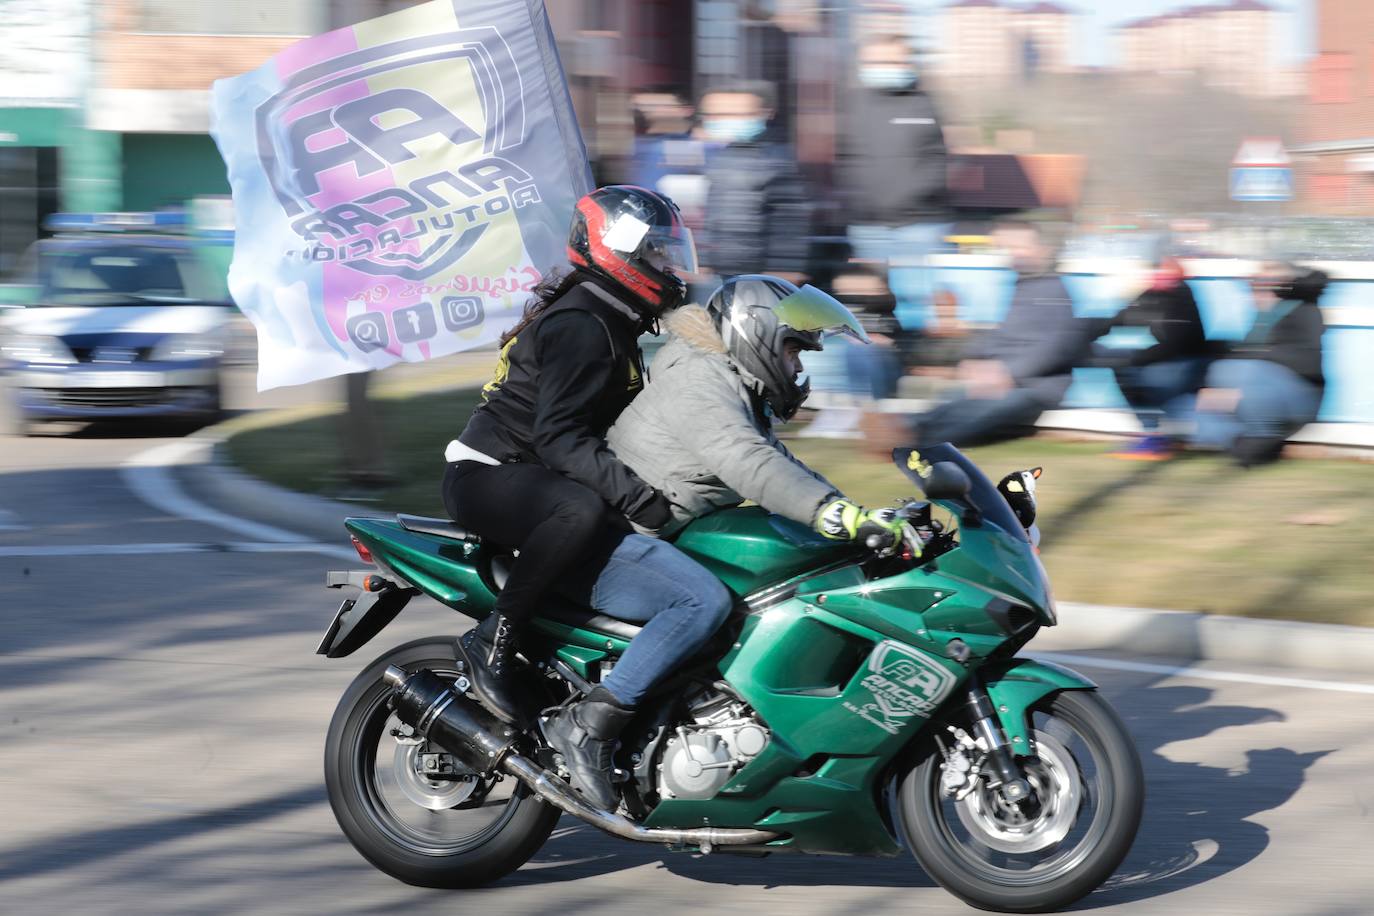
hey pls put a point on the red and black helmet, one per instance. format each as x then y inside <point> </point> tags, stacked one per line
<point>636,238</point>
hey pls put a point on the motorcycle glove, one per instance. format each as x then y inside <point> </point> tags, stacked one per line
<point>877,528</point>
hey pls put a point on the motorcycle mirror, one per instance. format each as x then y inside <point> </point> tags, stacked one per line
<point>945,480</point>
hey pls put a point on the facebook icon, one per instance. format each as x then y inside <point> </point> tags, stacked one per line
<point>415,323</point>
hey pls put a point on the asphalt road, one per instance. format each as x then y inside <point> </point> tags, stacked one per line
<point>162,716</point>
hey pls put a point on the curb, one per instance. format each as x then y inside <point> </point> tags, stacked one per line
<point>222,485</point>
<point>1082,627</point>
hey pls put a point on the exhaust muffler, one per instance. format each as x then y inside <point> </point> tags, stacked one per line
<point>426,703</point>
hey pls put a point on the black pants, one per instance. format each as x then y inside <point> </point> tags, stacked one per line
<point>565,532</point>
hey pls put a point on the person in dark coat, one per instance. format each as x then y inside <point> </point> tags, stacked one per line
<point>758,208</point>
<point>1016,371</point>
<point>1269,385</point>
<point>893,166</point>
<point>1158,379</point>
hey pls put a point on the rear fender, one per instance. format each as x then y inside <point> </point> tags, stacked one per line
<point>1015,685</point>
<point>361,618</point>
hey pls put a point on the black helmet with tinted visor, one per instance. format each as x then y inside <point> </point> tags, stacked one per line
<point>757,315</point>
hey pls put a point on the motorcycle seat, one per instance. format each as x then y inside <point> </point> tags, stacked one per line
<point>439,527</point>
<point>568,613</point>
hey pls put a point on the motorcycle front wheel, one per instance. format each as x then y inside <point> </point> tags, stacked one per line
<point>413,811</point>
<point>1040,856</point>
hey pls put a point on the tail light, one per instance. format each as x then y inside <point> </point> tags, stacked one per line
<point>361,548</point>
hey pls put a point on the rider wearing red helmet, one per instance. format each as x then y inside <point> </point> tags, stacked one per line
<point>531,471</point>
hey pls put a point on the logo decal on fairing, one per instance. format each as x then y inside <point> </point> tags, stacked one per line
<point>903,683</point>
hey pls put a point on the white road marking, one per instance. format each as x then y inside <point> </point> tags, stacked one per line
<point>148,474</point>
<point>99,550</point>
<point>10,522</point>
<point>1206,674</point>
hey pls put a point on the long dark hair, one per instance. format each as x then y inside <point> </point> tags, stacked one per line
<point>550,287</point>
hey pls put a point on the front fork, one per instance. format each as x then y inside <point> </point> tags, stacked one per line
<point>1000,760</point>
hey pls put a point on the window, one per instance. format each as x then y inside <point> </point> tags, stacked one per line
<point>1331,78</point>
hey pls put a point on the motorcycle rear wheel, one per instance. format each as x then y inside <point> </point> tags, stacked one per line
<point>426,832</point>
<point>1091,790</point>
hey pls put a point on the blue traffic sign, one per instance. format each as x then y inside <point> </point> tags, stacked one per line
<point>1265,182</point>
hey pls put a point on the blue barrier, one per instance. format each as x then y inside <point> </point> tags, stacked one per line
<point>1227,312</point>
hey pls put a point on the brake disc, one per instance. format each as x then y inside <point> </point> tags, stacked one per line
<point>1003,826</point>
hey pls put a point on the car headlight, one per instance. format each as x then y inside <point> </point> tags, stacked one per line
<point>24,348</point>
<point>188,346</point>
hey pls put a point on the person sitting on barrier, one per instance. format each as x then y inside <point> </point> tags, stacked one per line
<point>1159,378</point>
<point>1014,372</point>
<point>1269,385</point>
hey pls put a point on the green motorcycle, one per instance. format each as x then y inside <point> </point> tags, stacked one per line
<point>856,702</point>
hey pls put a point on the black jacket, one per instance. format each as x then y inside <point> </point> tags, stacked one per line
<point>1294,340</point>
<point>894,159</point>
<point>1172,318</point>
<point>758,211</point>
<point>559,385</point>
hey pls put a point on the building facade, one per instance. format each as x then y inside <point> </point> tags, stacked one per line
<point>1230,46</point>
<point>1335,159</point>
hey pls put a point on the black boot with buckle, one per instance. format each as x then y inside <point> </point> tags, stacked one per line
<point>585,734</point>
<point>488,650</point>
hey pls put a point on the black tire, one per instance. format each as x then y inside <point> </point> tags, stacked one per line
<point>376,824</point>
<point>970,869</point>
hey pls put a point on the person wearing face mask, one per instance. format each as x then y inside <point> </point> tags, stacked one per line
<point>892,170</point>
<point>758,210</point>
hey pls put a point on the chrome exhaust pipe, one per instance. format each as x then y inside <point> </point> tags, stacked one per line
<point>557,793</point>
<point>463,728</point>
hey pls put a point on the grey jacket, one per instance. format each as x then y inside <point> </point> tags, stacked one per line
<point>696,434</point>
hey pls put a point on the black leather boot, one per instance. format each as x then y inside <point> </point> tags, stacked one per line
<point>488,650</point>
<point>585,734</point>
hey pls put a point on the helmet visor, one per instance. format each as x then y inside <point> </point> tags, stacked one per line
<point>810,309</point>
<point>670,248</point>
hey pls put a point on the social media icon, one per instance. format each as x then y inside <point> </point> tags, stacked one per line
<point>368,331</point>
<point>462,312</point>
<point>414,323</point>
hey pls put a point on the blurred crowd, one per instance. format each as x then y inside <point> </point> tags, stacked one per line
<point>725,159</point>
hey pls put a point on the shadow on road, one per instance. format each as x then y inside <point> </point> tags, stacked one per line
<point>1197,824</point>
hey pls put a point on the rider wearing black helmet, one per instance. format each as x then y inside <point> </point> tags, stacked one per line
<point>702,430</point>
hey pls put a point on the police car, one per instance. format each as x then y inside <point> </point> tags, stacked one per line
<point>122,319</point>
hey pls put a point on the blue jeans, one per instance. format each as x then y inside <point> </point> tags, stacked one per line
<point>1161,389</point>
<point>981,421</point>
<point>679,601</point>
<point>873,369</point>
<point>910,281</point>
<point>1275,402</point>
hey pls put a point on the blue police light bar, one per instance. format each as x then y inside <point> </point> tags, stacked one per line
<point>115,222</point>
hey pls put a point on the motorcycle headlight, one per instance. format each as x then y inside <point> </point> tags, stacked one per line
<point>49,351</point>
<point>189,346</point>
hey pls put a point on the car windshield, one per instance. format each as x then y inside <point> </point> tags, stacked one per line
<point>119,274</point>
<point>982,494</point>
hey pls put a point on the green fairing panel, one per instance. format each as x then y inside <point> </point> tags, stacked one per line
<point>444,569</point>
<point>1017,684</point>
<point>841,702</point>
<point>749,549</point>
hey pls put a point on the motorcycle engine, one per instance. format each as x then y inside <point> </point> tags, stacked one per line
<point>699,758</point>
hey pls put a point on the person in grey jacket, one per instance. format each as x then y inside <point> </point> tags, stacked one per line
<point>701,431</point>
<point>1015,372</point>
